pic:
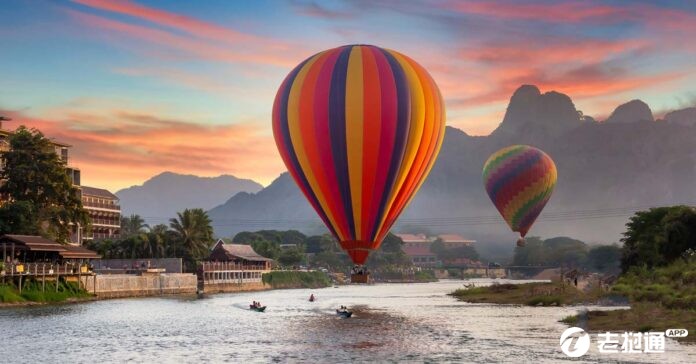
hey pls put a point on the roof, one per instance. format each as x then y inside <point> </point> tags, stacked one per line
<point>243,251</point>
<point>78,252</point>
<point>34,243</point>
<point>420,251</point>
<point>413,238</point>
<point>40,244</point>
<point>454,238</point>
<point>98,192</point>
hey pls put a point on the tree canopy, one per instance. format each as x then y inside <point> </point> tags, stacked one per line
<point>659,236</point>
<point>42,198</point>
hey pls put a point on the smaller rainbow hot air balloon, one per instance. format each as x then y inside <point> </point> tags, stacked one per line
<point>519,180</point>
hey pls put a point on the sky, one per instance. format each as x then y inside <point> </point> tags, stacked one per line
<point>141,87</point>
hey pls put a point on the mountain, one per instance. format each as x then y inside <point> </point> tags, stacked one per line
<point>162,196</point>
<point>606,170</point>
<point>631,112</point>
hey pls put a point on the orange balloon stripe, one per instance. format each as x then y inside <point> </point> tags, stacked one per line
<point>372,135</point>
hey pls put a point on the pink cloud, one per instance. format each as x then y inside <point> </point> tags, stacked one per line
<point>125,147</point>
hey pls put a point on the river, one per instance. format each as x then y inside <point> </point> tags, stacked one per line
<point>391,323</point>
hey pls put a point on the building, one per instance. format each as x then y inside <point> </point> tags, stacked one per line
<point>421,256</point>
<point>415,240</point>
<point>33,249</point>
<point>233,267</point>
<point>102,205</point>
<point>452,241</point>
<point>104,211</point>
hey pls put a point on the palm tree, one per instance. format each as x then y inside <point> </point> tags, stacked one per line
<point>157,240</point>
<point>194,234</point>
<point>133,225</point>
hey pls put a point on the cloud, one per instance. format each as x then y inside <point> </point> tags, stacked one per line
<point>124,147</point>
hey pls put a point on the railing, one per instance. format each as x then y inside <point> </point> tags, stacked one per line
<point>38,269</point>
<point>223,266</point>
<point>110,222</point>
<point>102,205</point>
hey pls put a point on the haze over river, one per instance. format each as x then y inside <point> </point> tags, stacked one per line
<point>392,322</point>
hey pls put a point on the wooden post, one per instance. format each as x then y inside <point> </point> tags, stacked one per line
<point>43,277</point>
<point>20,284</point>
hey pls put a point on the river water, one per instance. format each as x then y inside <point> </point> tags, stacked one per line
<point>391,323</point>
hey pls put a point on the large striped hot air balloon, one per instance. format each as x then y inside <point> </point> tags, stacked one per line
<point>519,180</point>
<point>359,128</point>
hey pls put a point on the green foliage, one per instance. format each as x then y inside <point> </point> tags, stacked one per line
<point>604,258</point>
<point>569,253</point>
<point>545,301</point>
<point>659,236</point>
<point>42,197</point>
<point>194,234</point>
<point>189,236</point>
<point>32,291</point>
<point>291,257</point>
<point>444,254</point>
<point>296,279</point>
<point>133,225</point>
<point>389,255</point>
<point>425,276</point>
<point>672,286</point>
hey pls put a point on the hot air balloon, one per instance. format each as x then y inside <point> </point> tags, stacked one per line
<point>519,180</point>
<point>359,128</point>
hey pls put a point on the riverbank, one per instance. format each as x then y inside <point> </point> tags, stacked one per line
<point>641,317</point>
<point>34,293</point>
<point>530,294</point>
<point>296,279</point>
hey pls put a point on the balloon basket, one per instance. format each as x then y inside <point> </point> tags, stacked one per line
<point>360,278</point>
<point>521,242</point>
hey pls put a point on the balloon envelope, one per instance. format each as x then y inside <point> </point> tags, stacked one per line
<point>519,180</point>
<point>359,128</point>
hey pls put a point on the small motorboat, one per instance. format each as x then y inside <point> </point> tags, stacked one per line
<point>344,313</point>
<point>257,308</point>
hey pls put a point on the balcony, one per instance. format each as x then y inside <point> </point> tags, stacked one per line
<point>98,205</point>
<point>106,222</point>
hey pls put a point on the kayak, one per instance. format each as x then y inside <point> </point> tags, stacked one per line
<point>345,314</point>
<point>257,308</point>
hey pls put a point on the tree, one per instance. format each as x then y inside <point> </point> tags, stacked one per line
<point>18,218</point>
<point>132,225</point>
<point>444,254</point>
<point>194,234</point>
<point>658,236</point>
<point>291,257</point>
<point>604,258</point>
<point>35,178</point>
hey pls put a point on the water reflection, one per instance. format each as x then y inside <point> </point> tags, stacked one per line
<point>415,322</point>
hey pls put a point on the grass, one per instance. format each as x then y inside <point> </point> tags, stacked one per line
<point>296,279</point>
<point>641,317</point>
<point>425,276</point>
<point>661,298</point>
<point>32,292</point>
<point>531,294</point>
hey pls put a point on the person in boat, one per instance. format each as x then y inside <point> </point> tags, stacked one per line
<point>311,297</point>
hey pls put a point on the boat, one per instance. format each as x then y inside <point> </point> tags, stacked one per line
<point>257,308</point>
<point>344,313</point>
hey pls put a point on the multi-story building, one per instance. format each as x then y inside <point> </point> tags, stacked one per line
<point>104,212</point>
<point>102,205</point>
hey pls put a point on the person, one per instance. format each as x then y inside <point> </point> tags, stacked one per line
<point>311,297</point>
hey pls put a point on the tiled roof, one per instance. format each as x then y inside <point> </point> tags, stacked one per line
<point>420,251</point>
<point>413,238</point>
<point>98,192</point>
<point>243,251</point>
<point>454,238</point>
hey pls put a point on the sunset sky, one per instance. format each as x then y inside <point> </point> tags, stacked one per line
<point>150,86</point>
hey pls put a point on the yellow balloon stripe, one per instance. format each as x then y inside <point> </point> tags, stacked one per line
<point>415,132</point>
<point>354,133</point>
<point>294,126</point>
